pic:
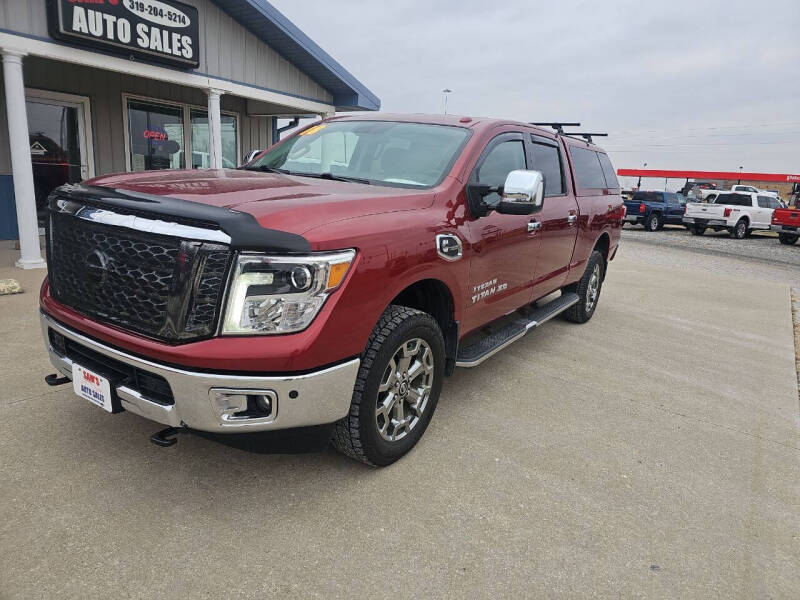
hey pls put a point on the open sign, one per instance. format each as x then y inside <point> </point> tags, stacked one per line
<point>155,135</point>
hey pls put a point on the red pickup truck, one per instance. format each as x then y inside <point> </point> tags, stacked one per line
<point>329,285</point>
<point>786,221</point>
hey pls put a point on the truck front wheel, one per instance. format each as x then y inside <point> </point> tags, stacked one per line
<point>397,388</point>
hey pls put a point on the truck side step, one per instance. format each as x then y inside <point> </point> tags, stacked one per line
<point>494,338</point>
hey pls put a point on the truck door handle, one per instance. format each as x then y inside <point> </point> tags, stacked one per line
<point>534,226</point>
<point>571,218</point>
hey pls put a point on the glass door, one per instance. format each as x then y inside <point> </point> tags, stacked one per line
<point>58,144</point>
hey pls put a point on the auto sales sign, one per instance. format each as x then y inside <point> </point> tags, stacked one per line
<point>164,31</point>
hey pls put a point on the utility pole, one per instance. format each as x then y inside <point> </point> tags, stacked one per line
<point>446,91</point>
<point>639,185</point>
<point>740,175</point>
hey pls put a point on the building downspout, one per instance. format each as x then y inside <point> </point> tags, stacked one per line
<point>277,131</point>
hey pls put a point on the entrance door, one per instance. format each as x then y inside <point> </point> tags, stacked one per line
<point>57,137</point>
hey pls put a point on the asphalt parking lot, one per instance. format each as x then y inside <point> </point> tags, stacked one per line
<point>652,452</point>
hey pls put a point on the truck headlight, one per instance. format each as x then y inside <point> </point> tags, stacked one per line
<point>281,294</point>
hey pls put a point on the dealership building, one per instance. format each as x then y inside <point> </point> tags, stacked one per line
<point>92,87</point>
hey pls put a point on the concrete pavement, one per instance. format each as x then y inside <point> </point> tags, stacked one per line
<point>652,452</point>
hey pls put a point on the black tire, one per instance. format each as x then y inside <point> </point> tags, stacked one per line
<point>654,222</point>
<point>357,434</point>
<point>581,312</point>
<point>697,229</point>
<point>739,231</point>
<point>787,238</point>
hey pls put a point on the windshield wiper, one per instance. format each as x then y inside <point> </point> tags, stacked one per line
<point>266,169</point>
<point>333,177</point>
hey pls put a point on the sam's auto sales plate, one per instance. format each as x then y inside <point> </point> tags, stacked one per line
<point>164,31</point>
<point>95,388</point>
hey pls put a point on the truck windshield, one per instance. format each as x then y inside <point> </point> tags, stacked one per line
<point>378,152</point>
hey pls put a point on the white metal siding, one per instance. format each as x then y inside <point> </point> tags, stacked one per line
<point>105,90</point>
<point>227,49</point>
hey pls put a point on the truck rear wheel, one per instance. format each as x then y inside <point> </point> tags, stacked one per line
<point>397,388</point>
<point>654,222</point>
<point>787,238</point>
<point>588,290</point>
<point>739,231</point>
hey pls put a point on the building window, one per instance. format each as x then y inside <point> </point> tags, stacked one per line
<point>159,133</point>
<point>156,136</point>
<point>200,151</point>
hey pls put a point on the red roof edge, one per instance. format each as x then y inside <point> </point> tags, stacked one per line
<point>775,177</point>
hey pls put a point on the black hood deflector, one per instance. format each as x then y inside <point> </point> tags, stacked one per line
<point>243,228</point>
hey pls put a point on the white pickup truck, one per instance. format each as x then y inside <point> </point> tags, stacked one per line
<point>740,213</point>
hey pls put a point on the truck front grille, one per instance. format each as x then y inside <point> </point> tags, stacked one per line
<point>156,285</point>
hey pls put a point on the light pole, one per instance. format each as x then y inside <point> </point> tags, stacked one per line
<point>446,91</point>
<point>639,185</point>
<point>740,175</point>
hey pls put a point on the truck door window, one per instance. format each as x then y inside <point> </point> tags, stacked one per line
<point>547,159</point>
<point>763,202</point>
<point>498,163</point>
<point>588,170</point>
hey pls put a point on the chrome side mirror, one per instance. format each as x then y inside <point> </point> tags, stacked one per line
<point>523,193</point>
<point>250,156</point>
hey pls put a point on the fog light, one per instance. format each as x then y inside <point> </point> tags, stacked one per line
<point>263,402</point>
<point>241,405</point>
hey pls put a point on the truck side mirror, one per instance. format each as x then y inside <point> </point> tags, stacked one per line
<point>523,193</point>
<point>476,192</point>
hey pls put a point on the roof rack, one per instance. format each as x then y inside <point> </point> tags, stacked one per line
<point>559,127</point>
<point>587,136</point>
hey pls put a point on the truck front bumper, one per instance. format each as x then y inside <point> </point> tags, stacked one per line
<point>202,400</point>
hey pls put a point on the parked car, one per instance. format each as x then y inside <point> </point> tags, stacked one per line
<point>655,209</point>
<point>786,221</point>
<point>740,213</point>
<point>329,301</point>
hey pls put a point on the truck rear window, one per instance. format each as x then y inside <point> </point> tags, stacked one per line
<point>648,197</point>
<point>734,200</point>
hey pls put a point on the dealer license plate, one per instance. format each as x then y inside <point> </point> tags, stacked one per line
<point>95,388</point>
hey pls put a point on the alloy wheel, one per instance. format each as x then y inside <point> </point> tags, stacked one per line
<point>404,390</point>
<point>593,289</point>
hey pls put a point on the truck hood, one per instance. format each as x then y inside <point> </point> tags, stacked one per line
<point>285,202</point>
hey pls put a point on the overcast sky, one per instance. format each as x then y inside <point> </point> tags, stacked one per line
<point>678,84</point>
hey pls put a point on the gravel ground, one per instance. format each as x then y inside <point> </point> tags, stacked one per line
<point>761,246</point>
<point>760,257</point>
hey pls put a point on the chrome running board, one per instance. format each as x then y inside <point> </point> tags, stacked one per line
<point>495,338</point>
